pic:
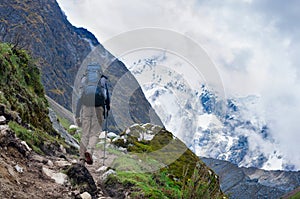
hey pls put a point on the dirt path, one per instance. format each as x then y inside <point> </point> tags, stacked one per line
<point>98,162</point>
<point>30,181</point>
<point>25,174</point>
<point>33,183</point>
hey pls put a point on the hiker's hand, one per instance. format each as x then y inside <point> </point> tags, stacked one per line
<point>107,107</point>
<point>78,122</point>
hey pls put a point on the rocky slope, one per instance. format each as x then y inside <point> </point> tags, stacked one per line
<point>22,101</point>
<point>25,174</point>
<point>33,155</point>
<point>244,183</point>
<point>17,171</point>
<point>60,49</point>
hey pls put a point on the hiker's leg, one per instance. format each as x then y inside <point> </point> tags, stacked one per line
<point>96,129</point>
<point>86,128</point>
<point>100,117</point>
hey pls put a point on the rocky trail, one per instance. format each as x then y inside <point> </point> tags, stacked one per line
<point>25,174</point>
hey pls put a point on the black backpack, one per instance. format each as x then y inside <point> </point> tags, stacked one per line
<point>94,86</point>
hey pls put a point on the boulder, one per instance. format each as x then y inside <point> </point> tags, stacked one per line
<point>62,163</point>
<point>19,169</point>
<point>82,178</point>
<point>111,135</point>
<point>105,175</point>
<point>2,120</point>
<point>86,195</point>
<point>26,145</point>
<point>59,178</point>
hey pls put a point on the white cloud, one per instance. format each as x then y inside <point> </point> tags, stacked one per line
<point>254,44</point>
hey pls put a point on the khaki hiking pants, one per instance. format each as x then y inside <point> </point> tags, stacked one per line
<point>91,119</point>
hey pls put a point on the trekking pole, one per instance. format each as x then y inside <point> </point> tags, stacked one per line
<point>105,137</point>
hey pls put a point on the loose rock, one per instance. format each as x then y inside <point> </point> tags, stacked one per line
<point>26,145</point>
<point>102,169</point>
<point>106,174</point>
<point>80,176</point>
<point>86,195</point>
<point>2,120</point>
<point>62,163</point>
<point>59,178</point>
<point>19,169</point>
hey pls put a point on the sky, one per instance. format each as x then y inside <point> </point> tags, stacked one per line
<point>254,45</point>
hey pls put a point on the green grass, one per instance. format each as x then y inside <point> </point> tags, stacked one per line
<point>164,168</point>
<point>168,151</point>
<point>77,136</point>
<point>146,185</point>
<point>30,137</point>
<point>296,196</point>
<point>64,122</point>
<point>142,176</point>
<point>37,139</point>
<point>134,162</point>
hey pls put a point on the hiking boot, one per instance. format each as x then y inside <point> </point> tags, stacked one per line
<point>88,158</point>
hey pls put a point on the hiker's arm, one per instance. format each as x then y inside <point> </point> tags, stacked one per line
<point>104,85</point>
<point>107,101</point>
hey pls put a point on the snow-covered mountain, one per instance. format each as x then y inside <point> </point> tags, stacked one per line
<point>225,128</point>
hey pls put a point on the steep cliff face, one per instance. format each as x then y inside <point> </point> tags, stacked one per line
<point>44,30</point>
<point>60,48</point>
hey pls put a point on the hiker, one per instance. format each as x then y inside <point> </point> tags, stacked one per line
<point>92,108</point>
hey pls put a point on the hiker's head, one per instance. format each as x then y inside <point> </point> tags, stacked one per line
<point>104,76</point>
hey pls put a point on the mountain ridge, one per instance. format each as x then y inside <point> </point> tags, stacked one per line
<point>247,183</point>
<point>60,50</point>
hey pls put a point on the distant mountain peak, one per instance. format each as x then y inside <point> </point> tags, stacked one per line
<point>232,129</point>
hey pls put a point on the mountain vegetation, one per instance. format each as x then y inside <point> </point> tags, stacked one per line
<point>23,102</point>
<point>159,165</point>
